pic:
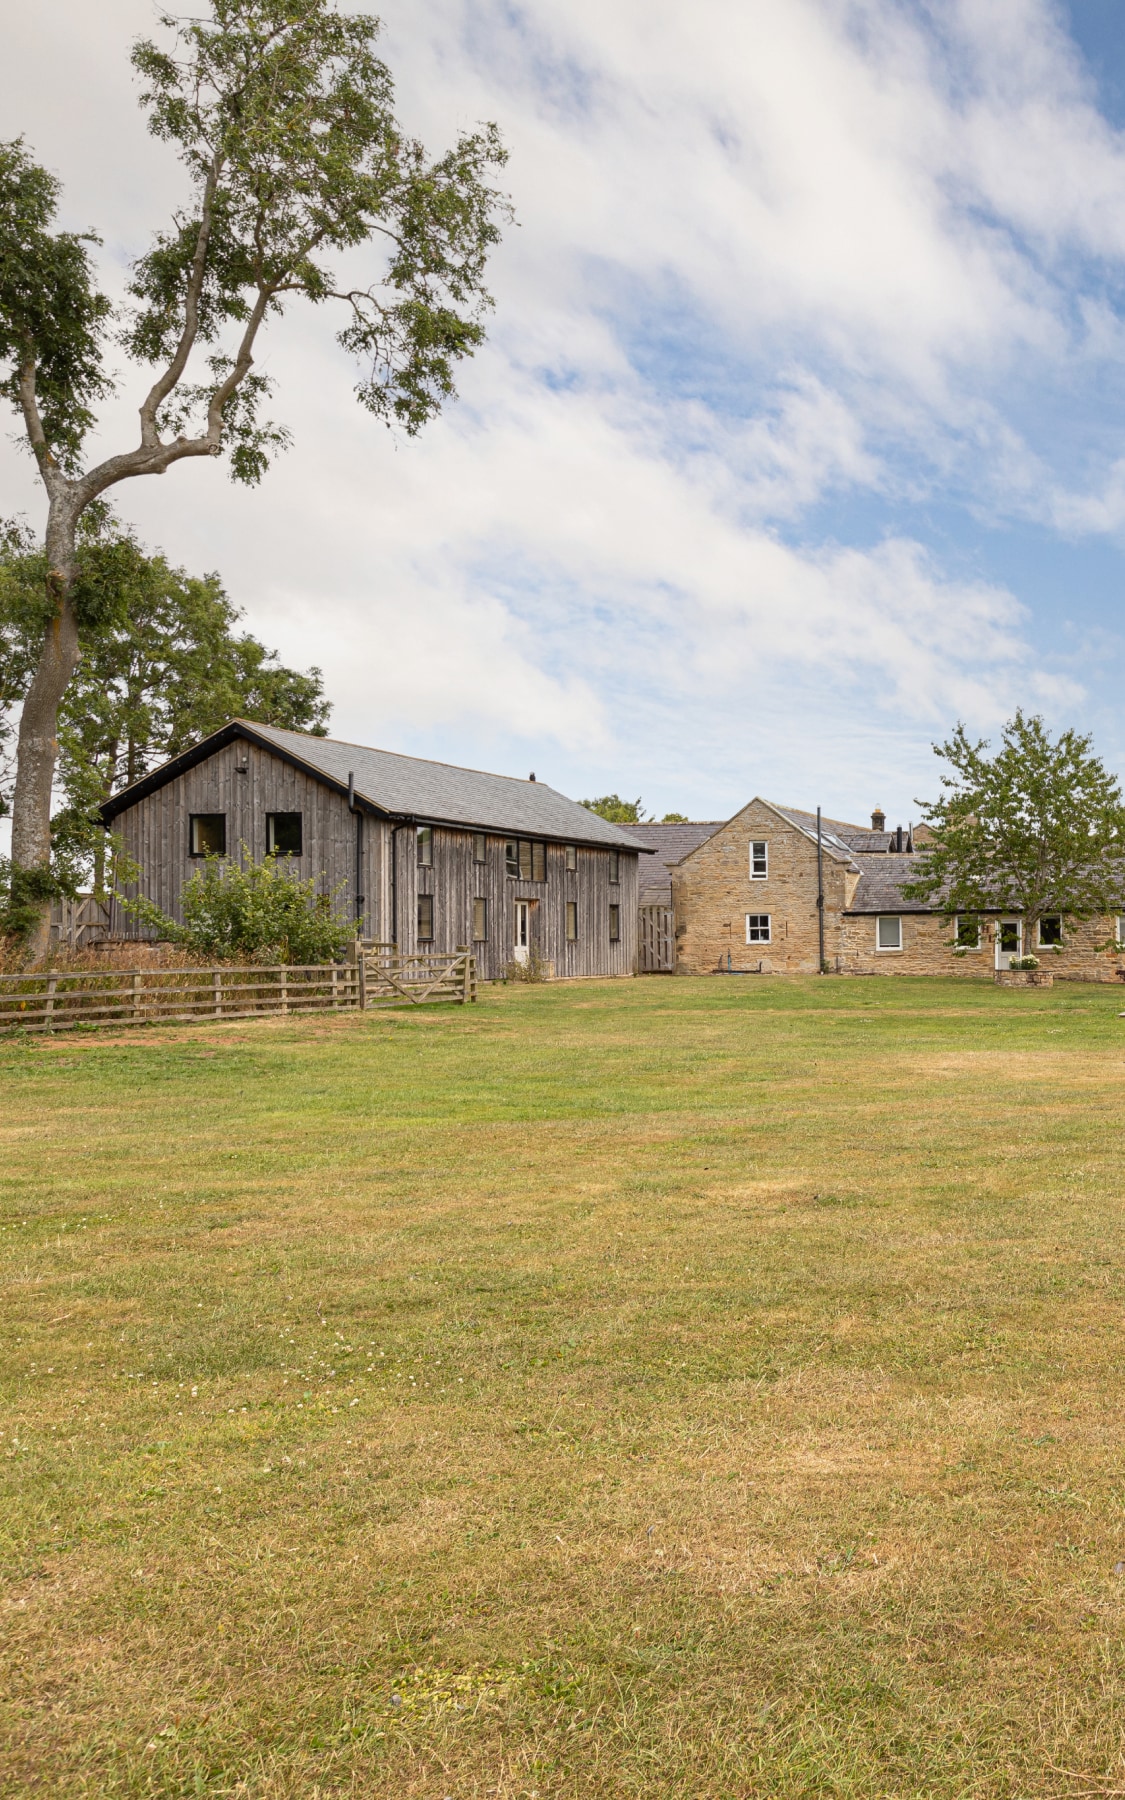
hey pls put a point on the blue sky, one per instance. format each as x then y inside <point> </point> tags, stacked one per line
<point>800,432</point>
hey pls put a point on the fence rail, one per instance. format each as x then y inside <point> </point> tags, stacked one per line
<point>58,1000</point>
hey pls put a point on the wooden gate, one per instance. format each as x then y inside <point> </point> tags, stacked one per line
<point>657,939</point>
<point>389,977</point>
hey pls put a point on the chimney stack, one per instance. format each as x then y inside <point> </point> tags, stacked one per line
<point>898,839</point>
<point>531,777</point>
<point>878,820</point>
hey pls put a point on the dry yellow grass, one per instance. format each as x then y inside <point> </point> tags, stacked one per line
<point>661,1388</point>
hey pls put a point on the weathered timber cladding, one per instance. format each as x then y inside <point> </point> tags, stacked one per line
<point>455,881</point>
<point>712,893</point>
<point>245,783</point>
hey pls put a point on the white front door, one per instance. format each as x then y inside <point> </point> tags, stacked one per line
<point>1009,941</point>
<point>523,930</point>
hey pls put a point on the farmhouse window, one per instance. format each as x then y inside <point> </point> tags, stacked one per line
<point>525,860</point>
<point>757,928</point>
<point>478,846</point>
<point>571,858</point>
<point>615,866</point>
<point>572,921</point>
<point>208,834</point>
<point>615,924</point>
<point>425,847</point>
<point>967,935</point>
<point>425,918</point>
<point>1121,930</point>
<point>480,921</point>
<point>759,860</point>
<point>1050,932</point>
<point>888,934</point>
<point>283,834</point>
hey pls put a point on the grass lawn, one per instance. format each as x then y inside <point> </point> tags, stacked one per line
<point>662,1388</point>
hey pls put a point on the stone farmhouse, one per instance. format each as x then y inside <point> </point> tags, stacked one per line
<point>421,854</point>
<point>742,897</point>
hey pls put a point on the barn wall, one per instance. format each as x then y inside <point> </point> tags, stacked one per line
<point>246,782</point>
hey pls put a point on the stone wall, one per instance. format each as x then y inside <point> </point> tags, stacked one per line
<point>712,892</point>
<point>927,949</point>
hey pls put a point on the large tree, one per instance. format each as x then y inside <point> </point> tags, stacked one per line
<point>283,118</point>
<point>161,664</point>
<point>1037,830</point>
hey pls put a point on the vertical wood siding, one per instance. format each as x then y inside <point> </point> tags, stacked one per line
<point>155,834</point>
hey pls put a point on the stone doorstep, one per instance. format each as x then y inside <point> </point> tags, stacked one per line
<point>1024,978</point>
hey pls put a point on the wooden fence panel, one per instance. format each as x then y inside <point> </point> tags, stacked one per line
<point>657,940</point>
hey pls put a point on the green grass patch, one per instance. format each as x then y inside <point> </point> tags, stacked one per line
<point>664,1388</point>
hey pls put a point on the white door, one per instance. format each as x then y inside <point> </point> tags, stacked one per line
<point>523,930</point>
<point>1009,941</point>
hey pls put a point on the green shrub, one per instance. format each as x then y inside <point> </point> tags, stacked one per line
<point>252,911</point>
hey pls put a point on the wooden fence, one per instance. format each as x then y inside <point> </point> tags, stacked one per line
<point>58,1000</point>
<point>657,940</point>
<point>79,923</point>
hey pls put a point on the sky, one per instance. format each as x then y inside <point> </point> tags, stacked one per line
<point>799,434</point>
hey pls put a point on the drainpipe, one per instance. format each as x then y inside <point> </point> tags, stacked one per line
<point>819,892</point>
<point>360,901</point>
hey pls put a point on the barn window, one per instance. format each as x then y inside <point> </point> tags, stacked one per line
<point>208,834</point>
<point>480,921</point>
<point>283,834</point>
<point>571,858</point>
<point>968,932</point>
<point>425,847</point>
<point>525,860</point>
<point>572,921</point>
<point>759,860</point>
<point>757,928</point>
<point>615,865</point>
<point>479,846</point>
<point>425,918</point>
<point>1050,932</point>
<point>888,934</point>
<point>614,924</point>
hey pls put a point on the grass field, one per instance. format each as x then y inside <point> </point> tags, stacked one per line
<point>665,1388</point>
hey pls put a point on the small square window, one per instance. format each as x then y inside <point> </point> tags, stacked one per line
<point>967,935</point>
<point>425,847</point>
<point>888,934</point>
<point>571,858</point>
<point>208,834</point>
<point>614,924</point>
<point>538,862</point>
<point>572,921</point>
<point>479,847</point>
<point>283,834</point>
<point>759,860</point>
<point>615,866</point>
<point>1050,932</point>
<point>480,921</point>
<point>425,918</point>
<point>757,928</point>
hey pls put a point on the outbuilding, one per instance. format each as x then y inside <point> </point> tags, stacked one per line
<point>421,854</point>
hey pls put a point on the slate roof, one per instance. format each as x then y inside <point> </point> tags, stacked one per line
<point>406,787</point>
<point>880,883</point>
<point>856,839</point>
<point>669,843</point>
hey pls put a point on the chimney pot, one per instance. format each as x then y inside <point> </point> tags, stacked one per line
<point>878,820</point>
<point>531,777</point>
<point>898,839</point>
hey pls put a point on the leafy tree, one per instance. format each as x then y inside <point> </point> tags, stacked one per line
<point>256,912</point>
<point>675,819</point>
<point>616,810</point>
<point>283,118</point>
<point>1037,829</point>
<point>162,668</point>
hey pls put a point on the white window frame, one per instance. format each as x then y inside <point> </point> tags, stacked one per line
<point>1121,929</point>
<point>882,949</point>
<point>768,939</point>
<point>967,918</point>
<point>761,844</point>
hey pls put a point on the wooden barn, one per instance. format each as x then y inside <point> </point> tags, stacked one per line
<point>420,854</point>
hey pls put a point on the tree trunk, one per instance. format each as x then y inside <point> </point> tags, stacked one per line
<point>38,745</point>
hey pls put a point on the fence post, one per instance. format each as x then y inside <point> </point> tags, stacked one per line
<point>464,954</point>
<point>335,998</point>
<point>217,985</point>
<point>136,994</point>
<point>285,988</point>
<point>52,983</point>
<point>361,970</point>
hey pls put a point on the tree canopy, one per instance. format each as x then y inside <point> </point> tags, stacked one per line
<point>616,810</point>
<point>1037,829</point>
